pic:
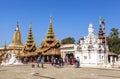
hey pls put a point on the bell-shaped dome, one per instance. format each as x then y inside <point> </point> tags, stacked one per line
<point>16,40</point>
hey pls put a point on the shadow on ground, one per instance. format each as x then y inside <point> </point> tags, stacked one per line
<point>3,70</point>
<point>110,76</point>
<point>37,74</point>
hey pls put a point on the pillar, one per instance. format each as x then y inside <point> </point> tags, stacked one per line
<point>115,59</point>
<point>111,59</point>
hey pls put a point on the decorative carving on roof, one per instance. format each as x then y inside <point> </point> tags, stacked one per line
<point>91,41</point>
<point>30,46</point>
<point>49,45</point>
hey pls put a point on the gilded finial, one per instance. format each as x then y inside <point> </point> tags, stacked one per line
<point>50,33</point>
<point>5,43</point>
<point>30,25</point>
<point>17,26</point>
<point>17,23</point>
<point>50,19</point>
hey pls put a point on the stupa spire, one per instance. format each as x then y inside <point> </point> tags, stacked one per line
<point>50,19</point>
<point>17,26</point>
<point>90,29</point>
<point>30,25</point>
<point>30,44</point>
<point>49,46</point>
<point>16,40</point>
<point>50,33</point>
<point>101,30</point>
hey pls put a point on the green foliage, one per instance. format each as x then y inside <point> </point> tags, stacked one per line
<point>114,41</point>
<point>79,40</point>
<point>68,40</point>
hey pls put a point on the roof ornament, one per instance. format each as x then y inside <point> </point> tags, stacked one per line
<point>30,25</point>
<point>17,26</point>
<point>50,19</point>
<point>101,21</point>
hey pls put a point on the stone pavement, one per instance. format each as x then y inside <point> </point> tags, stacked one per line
<point>50,72</point>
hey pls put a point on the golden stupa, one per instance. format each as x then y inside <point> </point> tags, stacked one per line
<point>16,44</point>
<point>30,46</point>
<point>50,46</point>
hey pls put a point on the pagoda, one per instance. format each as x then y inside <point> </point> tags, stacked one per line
<point>30,46</point>
<point>49,46</point>
<point>16,44</point>
<point>101,34</point>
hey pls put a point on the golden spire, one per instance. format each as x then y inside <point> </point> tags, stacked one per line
<point>17,26</point>
<point>30,44</point>
<point>16,40</point>
<point>50,33</point>
<point>50,19</point>
<point>49,45</point>
<point>30,25</point>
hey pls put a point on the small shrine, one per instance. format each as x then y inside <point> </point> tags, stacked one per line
<point>49,46</point>
<point>91,48</point>
<point>3,51</point>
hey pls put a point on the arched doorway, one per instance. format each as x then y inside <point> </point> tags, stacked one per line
<point>69,57</point>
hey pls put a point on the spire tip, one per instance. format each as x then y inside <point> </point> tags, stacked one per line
<point>30,25</point>
<point>50,19</point>
<point>17,26</point>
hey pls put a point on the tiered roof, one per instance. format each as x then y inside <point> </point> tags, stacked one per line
<point>49,46</point>
<point>101,34</point>
<point>30,46</point>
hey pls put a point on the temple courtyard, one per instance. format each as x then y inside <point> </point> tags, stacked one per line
<point>50,72</point>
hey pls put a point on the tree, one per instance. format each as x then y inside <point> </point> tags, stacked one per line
<point>79,40</point>
<point>114,41</point>
<point>68,40</point>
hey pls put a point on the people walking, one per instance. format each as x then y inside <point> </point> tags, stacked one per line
<point>66,59</point>
<point>78,62</point>
<point>38,61</point>
<point>42,62</point>
<point>61,61</point>
<point>73,61</point>
<point>52,60</point>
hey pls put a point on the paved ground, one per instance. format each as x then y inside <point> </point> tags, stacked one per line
<point>49,72</point>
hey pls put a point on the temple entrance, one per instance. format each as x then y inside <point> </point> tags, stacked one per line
<point>69,57</point>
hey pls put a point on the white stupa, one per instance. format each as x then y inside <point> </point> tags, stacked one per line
<point>11,61</point>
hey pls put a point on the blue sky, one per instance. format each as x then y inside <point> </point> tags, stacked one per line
<point>70,17</point>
